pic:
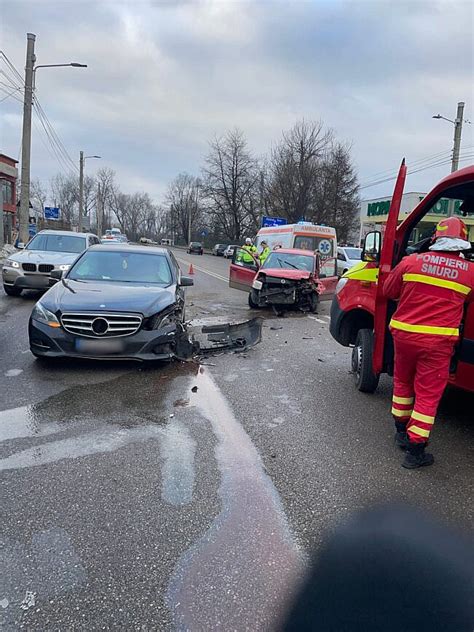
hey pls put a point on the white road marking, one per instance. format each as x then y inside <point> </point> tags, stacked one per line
<point>13,372</point>
<point>213,274</point>
<point>318,319</point>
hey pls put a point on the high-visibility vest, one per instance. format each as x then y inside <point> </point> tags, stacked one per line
<point>264,255</point>
<point>247,253</point>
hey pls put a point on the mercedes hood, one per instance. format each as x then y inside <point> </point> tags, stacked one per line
<point>96,296</point>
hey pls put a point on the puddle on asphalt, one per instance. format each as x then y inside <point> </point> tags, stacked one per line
<point>239,575</point>
<point>137,412</point>
<point>23,422</point>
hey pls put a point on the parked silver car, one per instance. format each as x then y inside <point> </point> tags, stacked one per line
<point>347,256</point>
<point>229,251</point>
<point>49,250</point>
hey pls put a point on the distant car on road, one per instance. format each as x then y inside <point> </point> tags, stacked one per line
<point>229,251</point>
<point>111,242</point>
<point>49,250</point>
<point>195,247</point>
<point>347,257</point>
<point>219,249</point>
<point>119,301</point>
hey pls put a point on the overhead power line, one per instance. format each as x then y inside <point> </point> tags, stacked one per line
<point>439,163</point>
<point>12,68</point>
<point>10,94</point>
<point>53,136</point>
<point>390,172</point>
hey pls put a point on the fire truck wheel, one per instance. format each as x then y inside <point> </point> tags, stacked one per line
<point>365,378</point>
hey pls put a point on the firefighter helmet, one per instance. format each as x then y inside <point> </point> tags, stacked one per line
<point>451,227</point>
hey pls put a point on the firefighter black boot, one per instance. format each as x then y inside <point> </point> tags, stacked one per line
<point>415,456</point>
<point>401,437</point>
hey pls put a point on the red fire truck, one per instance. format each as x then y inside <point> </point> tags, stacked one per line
<point>360,313</point>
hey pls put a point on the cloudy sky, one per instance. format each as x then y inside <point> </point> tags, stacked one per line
<point>165,77</point>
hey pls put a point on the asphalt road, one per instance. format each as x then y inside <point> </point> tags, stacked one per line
<point>133,501</point>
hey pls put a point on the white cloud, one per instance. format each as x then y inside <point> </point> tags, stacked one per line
<point>164,78</point>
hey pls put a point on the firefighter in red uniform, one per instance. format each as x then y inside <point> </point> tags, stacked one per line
<point>432,288</point>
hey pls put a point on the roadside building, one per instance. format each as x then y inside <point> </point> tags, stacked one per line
<point>374,213</point>
<point>8,179</point>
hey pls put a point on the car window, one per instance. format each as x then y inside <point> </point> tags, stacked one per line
<point>58,243</point>
<point>353,253</point>
<point>341,256</point>
<point>289,261</point>
<point>123,267</point>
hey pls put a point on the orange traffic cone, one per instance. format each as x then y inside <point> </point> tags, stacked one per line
<point>191,269</point>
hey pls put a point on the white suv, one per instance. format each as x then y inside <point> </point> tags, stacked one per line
<point>48,250</point>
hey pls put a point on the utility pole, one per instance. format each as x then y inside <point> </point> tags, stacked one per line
<point>81,190</point>
<point>2,239</point>
<point>24,211</point>
<point>456,148</point>
<point>457,136</point>
<point>100,211</point>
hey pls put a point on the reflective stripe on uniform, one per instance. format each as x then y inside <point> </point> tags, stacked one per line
<point>427,419</point>
<point>429,280</point>
<point>402,400</point>
<point>419,431</point>
<point>401,413</point>
<point>424,329</point>
<point>361,272</point>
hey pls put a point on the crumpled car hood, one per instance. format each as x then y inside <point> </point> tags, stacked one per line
<point>281,273</point>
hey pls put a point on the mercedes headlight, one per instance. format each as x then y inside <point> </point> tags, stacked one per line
<point>64,267</point>
<point>43,315</point>
<point>12,264</point>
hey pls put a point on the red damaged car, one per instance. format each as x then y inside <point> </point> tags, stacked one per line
<point>288,277</point>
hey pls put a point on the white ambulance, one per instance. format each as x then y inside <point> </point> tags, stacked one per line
<point>307,236</point>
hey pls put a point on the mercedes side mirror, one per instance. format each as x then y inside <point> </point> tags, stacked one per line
<point>186,281</point>
<point>372,246</point>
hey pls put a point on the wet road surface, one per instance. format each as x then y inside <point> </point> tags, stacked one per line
<point>132,501</point>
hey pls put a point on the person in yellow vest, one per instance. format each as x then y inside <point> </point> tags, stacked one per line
<point>263,256</point>
<point>248,252</point>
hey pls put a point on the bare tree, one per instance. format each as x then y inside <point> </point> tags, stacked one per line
<point>231,186</point>
<point>337,194</point>
<point>64,192</point>
<point>38,196</point>
<point>295,166</point>
<point>133,212</point>
<point>105,190</point>
<point>183,200</point>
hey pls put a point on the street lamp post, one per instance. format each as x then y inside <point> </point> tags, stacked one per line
<point>30,73</point>
<point>82,160</point>
<point>456,144</point>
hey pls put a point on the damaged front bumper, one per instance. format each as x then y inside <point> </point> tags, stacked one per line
<point>282,292</point>
<point>172,341</point>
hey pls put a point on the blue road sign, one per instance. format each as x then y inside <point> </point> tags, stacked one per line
<point>273,221</point>
<point>51,212</point>
<point>204,233</point>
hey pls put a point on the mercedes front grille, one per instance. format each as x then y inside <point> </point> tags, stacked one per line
<point>100,324</point>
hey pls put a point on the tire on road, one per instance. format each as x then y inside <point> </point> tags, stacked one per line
<point>12,291</point>
<point>252,297</point>
<point>365,379</point>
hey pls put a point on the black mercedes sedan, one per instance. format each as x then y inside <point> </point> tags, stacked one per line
<point>115,302</point>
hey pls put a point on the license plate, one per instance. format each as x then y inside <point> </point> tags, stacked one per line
<point>99,347</point>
